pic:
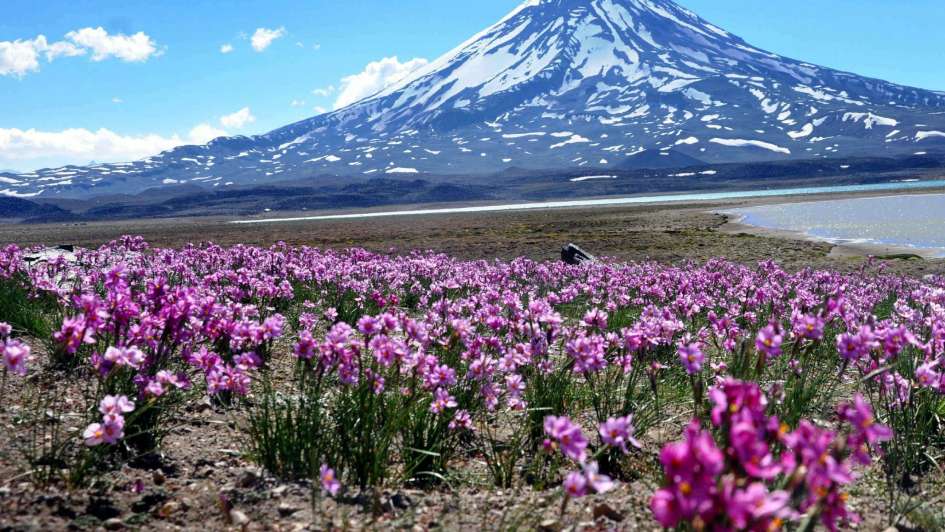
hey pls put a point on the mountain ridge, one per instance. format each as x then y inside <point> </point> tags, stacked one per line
<point>559,84</point>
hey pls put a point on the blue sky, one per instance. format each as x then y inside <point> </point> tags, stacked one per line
<point>130,93</point>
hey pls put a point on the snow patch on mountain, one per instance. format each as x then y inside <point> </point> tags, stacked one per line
<point>557,84</point>
<point>741,143</point>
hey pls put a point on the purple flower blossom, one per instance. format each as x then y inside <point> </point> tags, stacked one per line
<point>575,484</point>
<point>618,432</point>
<point>769,341</point>
<point>15,355</point>
<point>330,483</point>
<point>691,357</point>
<point>461,420</point>
<point>442,400</point>
<point>568,437</point>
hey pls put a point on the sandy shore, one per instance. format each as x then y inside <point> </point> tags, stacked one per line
<point>666,232</point>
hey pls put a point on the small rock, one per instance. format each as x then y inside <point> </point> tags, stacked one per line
<point>167,510</point>
<point>248,479</point>
<point>549,525</point>
<point>158,477</point>
<point>238,518</point>
<point>286,509</point>
<point>401,501</point>
<point>280,490</point>
<point>113,524</point>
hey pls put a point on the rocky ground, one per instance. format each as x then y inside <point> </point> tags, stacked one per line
<point>203,480</point>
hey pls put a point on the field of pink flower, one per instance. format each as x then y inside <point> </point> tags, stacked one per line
<point>748,398</point>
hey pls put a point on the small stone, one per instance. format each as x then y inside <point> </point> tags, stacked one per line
<point>113,524</point>
<point>248,479</point>
<point>280,490</point>
<point>158,477</point>
<point>401,501</point>
<point>238,518</point>
<point>549,525</point>
<point>168,509</point>
<point>286,509</point>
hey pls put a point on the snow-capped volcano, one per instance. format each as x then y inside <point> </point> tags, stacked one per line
<point>561,84</point>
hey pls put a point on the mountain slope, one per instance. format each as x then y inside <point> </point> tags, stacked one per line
<point>559,84</point>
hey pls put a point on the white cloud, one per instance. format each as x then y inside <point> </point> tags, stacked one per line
<point>297,103</point>
<point>238,119</point>
<point>226,48</point>
<point>62,49</point>
<point>20,57</point>
<point>204,133</point>
<point>319,109</point>
<point>324,91</point>
<point>130,48</point>
<point>376,76</point>
<point>31,149</point>
<point>264,37</point>
<point>117,100</point>
<point>316,46</point>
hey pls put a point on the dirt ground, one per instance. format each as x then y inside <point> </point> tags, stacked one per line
<point>667,233</point>
<point>202,473</point>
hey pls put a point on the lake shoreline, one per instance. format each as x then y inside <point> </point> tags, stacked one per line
<point>896,224</point>
<point>668,233</point>
<point>840,249</point>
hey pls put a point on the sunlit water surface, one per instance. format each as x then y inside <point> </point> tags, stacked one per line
<point>631,200</point>
<point>913,221</point>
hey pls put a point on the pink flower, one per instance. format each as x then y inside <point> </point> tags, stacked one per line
<point>125,356</point>
<point>115,405</point>
<point>596,318</point>
<point>441,401</point>
<point>329,481</point>
<point>691,467</point>
<point>927,376</point>
<point>441,375</point>
<point>154,388</point>
<point>769,341</point>
<point>15,356</point>
<point>305,347</point>
<point>618,432</point>
<point>369,326</point>
<point>113,428</point>
<point>575,484</point>
<point>692,357</point>
<point>94,434</point>
<point>665,509</point>
<point>600,483</point>
<point>74,333</point>
<point>866,431</point>
<point>461,420</point>
<point>588,353</point>
<point>572,442</point>
<point>109,431</point>
<point>808,327</point>
<point>755,506</point>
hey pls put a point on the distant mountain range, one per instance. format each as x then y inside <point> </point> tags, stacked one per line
<point>557,85</point>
